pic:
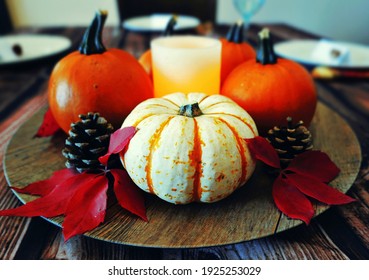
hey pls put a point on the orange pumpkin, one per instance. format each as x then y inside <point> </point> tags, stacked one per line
<point>272,89</point>
<point>234,50</point>
<point>95,79</point>
<point>145,59</point>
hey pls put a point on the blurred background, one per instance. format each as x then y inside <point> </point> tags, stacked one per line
<point>345,20</point>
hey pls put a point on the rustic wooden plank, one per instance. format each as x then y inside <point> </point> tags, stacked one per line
<point>12,229</point>
<point>85,248</point>
<point>303,242</point>
<point>14,89</point>
<point>341,231</point>
<point>36,238</point>
<point>343,96</point>
<point>309,243</point>
<point>353,94</point>
<point>356,215</point>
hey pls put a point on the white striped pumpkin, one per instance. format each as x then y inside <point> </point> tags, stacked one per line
<point>181,157</point>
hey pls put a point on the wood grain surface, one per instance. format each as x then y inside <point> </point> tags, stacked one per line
<point>248,214</point>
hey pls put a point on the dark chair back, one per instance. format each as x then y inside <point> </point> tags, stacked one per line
<point>6,25</point>
<point>202,9</point>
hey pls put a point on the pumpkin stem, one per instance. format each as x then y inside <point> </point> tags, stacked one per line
<point>265,51</point>
<point>169,29</point>
<point>92,39</point>
<point>190,110</point>
<point>235,33</point>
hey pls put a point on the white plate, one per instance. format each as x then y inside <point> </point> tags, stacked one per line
<point>33,47</point>
<point>158,22</point>
<point>301,51</point>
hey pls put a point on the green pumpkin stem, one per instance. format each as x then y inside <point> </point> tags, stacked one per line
<point>169,29</point>
<point>235,33</point>
<point>92,39</point>
<point>190,110</point>
<point>265,51</point>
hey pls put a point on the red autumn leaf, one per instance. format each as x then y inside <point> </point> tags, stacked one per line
<point>318,190</point>
<point>44,187</point>
<point>291,201</point>
<point>86,209</point>
<point>316,164</point>
<point>262,150</point>
<point>48,127</point>
<point>129,196</point>
<point>118,141</point>
<point>52,204</point>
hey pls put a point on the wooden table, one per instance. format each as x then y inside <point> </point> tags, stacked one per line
<point>339,233</point>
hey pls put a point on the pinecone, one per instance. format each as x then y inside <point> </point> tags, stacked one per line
<point>290,141</point>
<point>88,140</point>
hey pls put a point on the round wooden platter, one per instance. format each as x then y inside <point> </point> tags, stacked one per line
<point>247,214</point>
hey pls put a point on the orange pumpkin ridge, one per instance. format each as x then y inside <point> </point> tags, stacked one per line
<point>237,117</point>
<point>153,144</point>
<point>241,150</point>
<point>228,114</point>
<point>195,160</point>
